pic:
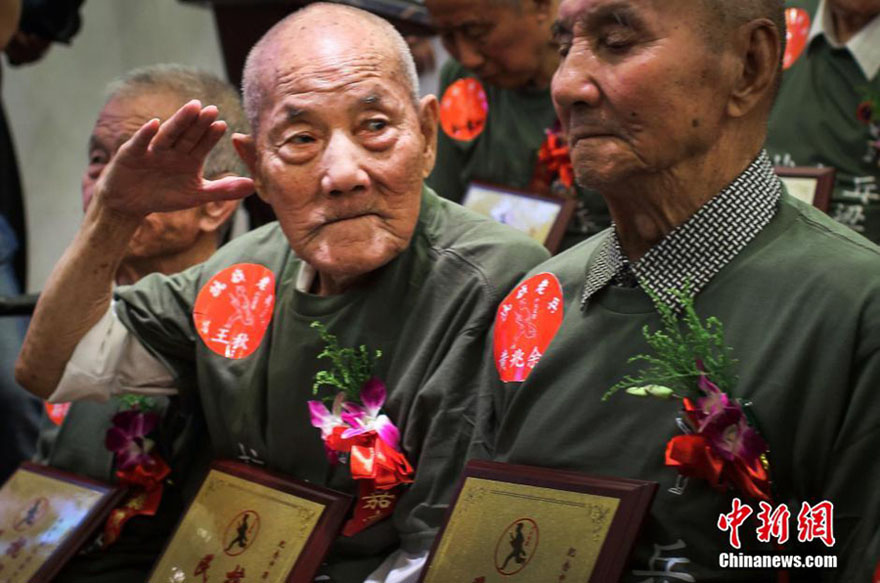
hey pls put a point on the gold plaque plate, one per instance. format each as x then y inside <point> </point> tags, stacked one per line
<point>520,524</point>
<point>45,516</point>
<point>241,528</point>
<point>512,532</point>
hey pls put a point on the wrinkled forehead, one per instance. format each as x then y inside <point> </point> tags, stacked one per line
<point>589,12</point>
<point>123,115</point>
<point>326,56</point>
<point>330,64</point>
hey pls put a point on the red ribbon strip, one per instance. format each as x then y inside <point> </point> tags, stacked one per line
<point>379,468</point>
<point>146,483</point>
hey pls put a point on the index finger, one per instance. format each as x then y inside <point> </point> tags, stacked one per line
<point>173,127</point>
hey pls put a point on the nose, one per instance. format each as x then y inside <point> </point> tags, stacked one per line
<point>575,84</point>
<point>465,52</point>
<point>344,171</point>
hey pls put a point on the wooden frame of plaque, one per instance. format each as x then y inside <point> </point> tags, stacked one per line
<point>555,232</point>
<point>239,506</point>
<point>87,505</point>
<point>610,539</point>
<point>809,184</point>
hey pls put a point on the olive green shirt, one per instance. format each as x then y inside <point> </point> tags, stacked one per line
<point>428,311</point>
<point>800,306</point>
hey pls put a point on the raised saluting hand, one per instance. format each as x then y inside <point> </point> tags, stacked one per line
<point>159,168</point>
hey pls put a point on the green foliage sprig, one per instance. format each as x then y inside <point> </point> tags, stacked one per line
<point>682,342</point>
<point>350,367</point>
<point>138,402</point>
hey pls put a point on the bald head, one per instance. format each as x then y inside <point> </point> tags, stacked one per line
<point>316,32</point>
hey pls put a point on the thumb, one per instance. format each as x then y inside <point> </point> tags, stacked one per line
<point>227,188</point>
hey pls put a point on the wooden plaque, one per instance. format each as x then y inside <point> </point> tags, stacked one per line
<point>811,185</point>
<point>249,524</point>
<point>46,516</point>
<point>522,524</point>
<point>543,218</point>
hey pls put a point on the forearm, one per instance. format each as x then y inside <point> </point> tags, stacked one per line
<point>75,297</point>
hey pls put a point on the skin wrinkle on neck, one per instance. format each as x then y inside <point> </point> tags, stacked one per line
<point>848,24</point>
<point>649,208</point>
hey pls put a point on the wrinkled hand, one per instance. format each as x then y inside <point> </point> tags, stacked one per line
<point>159,168</point>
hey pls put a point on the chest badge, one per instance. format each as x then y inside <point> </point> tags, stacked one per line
<point>234,308</point>
<point>525,324</point>
<point>797,32</point>
<point>57,412</point>
<point>464,109</point>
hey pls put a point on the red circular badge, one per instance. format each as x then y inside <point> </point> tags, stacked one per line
<point>464,109</point>
<point>234,309</point>
<point>797,31</point>
<point>57,412</point>
<point>526,322</point>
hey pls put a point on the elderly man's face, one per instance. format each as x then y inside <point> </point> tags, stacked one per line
<point>499,42</point>
<point>159,234</point>
<point>637,90</point>
<point>341,150</point>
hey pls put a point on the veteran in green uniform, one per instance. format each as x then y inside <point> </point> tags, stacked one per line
<point>672,137</point>
<point>504,52</point>
<point>164,243</point>
<point>340,146</point>
<point>828,110</point>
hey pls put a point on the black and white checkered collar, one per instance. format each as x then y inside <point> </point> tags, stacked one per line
<point>695,251</point>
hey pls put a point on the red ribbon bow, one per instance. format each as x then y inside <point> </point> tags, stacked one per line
<point>694,456</point>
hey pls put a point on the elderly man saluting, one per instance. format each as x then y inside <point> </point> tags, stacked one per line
<point>340,146</point>
<point>665,104</point>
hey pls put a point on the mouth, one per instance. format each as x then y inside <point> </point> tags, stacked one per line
<point>348,217</point>
<point>579,135</point>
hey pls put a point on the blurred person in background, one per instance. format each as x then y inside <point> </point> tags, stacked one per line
<point>75,439</point>
<point>498,124</point>
<point>828,111</point>
<point>19,411</point>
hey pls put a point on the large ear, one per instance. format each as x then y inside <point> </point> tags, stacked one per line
<point>246,147</point>
<point>758,48</point>
<point>429,119</point>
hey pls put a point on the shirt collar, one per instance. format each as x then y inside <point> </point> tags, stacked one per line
<point>864,46</point>
<point>305,278</point>
<point>697,250</point>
